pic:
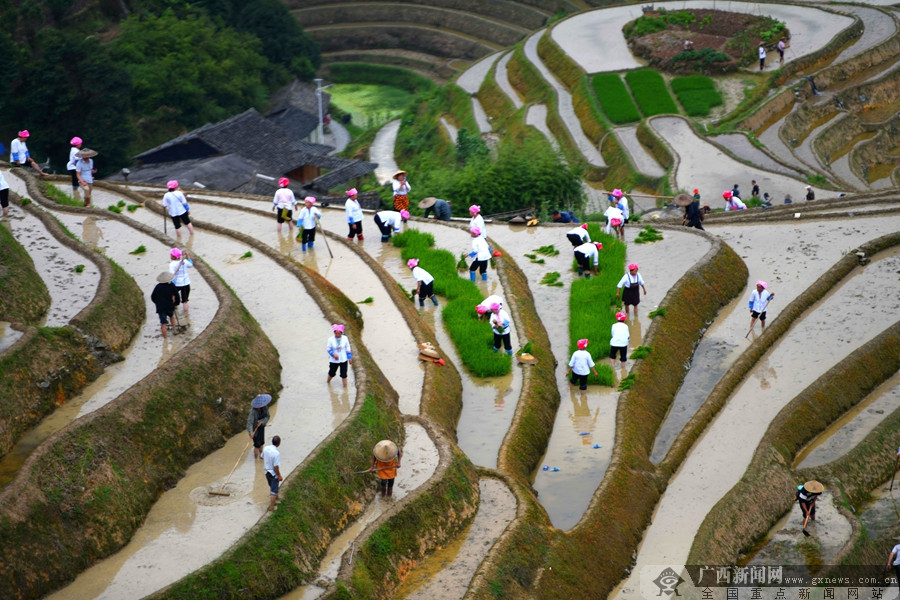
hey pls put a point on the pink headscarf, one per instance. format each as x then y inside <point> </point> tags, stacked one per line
<point>310,199</point>
<point>727,194</point>
<point>582,344</point>
<point>175,253</point>
<point>633,267</point>
<point>412,263</point>
<point>495,307</point>
<point>172,184</point>
<point>476,231</point>
<point>617,193</point>
<point>24,133</point>
<point>352,192</point>
<point>474,209</point>
<point>76,141</point>
<point>762,284</point>
<point>620,316</point>
<point>284,182</point>
<point>337,328</point>
<point>480,309</point>
<point>404,214</point>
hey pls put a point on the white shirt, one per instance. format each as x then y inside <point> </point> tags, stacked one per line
<point>271,459</point>
<point>422,275</point>
<point>3,184</point>
<point>284,198</point>
<point>354,211</point>
<point>308,216</point>
<point>401,188</point>
<point>481,249</point>
<point>581,362</point>
<point>85,166</point>
<point>500,322</point>
<point>18,151</point>
<point>589,249</point>
<point>622,205</point>
<point>180,273</point>
<point>734,203</point>
<point>620,335</point>
<point>762,53</point>
<point>390,218</point>
<point>339,346</point>
<point>478,221</point>
<point>70,166</point>
<point>613,212</point>
<point>759,302</point>
<point>628,279</point>
<point>582,233</point>
<point>896,553</point>
<point>175,203</point>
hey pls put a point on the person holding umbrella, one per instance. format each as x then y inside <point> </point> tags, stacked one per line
<point>339,353</point>
<point>256,422</point>
<point>424,282</point>
<point>759,300</point>
<point>84,171</point>
<point>385,461</point>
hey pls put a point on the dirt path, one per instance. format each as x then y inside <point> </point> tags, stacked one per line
<point>382,152</point>
<point>470,79</point>
<point>501,75</point>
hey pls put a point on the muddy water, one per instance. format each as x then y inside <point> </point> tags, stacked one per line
<point>696,154</point>
<point>805,149</point>
<point>841,168</point>
<point>740,146</point>
<point>834,328</point>
<point>187,527</point>
<point>446,574</point>
<point>69,291</point>
<point>8,335</point>
<point>848,431</point>
<point>420,459</point>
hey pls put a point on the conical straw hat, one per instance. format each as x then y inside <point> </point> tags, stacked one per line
<point>683,200</point>
<point>385,450</point>
<point>814,487</point>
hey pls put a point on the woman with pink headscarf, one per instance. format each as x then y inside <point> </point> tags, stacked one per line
<point>477,220</point>
<point>283,205</point>
<point>500,325</point>
<point>354,215</point>
<point>759,300</point>
<point>339,354</point>
<point>580,365</point>
<point>630,282</point>
<point>424,282</point>
<point>71,166</point>
<point>177,206</point>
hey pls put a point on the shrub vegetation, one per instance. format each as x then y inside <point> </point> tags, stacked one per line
<point>614,98</point>
<point>472,337</point>
<point>697,94</point>
<point>650,92</point>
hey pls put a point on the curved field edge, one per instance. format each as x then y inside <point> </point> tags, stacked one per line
<point>534,560</point>
<point>770,476</point>
<point>66,358</point>
<point>432,516</point>
<point>24,297</point>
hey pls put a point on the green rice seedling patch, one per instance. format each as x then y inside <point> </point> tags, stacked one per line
<point>57,195</point>
<point>368,300</point>
<point>641,352</point>
<point>647,235</point>
<point>650,92</point>
<point>697,94</point>
<point>461,264</point>
<point>247,254</point>
<point>551,279</point>
<point>133,207</point>
<point>547,250</point>
<point>627,382</point>
<point>659,312</point>
<point>114,208</point>
<point>531,256</point>
<point>79,268</point>
<point>120,204</point>
<point>614,98</point>
<point>26,201</point>
<point>526,349</point>
<point>370,105</point>
<point>592,305</point>
<point>139,250</point>
<point>539,261</point>
<point>472,337</point>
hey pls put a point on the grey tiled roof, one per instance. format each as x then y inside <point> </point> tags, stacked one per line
<point>301,95</point>
<point>222,173</point>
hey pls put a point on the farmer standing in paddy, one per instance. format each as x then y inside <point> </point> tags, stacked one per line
<point>759,300</point>
<point>256,422</point>
<point>632,283</point>
<point>283,205</point>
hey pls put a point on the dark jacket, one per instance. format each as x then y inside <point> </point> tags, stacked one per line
<point>441,209</point>
<point>163,296</point>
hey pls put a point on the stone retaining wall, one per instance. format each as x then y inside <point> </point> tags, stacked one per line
<point>408,37</point>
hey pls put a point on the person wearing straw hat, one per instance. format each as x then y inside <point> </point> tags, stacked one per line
<point>339,353</point>
<point>84,170</point>
<point>256,422</point>
<point>441,208</point>
<point>477,220</point>
<point>389,221</point>
<point>307,220</point>
<point>401,192</point>
<point>807,494</point>
<point>19,155</point>
<point>579,235</point>
<point>500,325</point>
<point>759,301</point>
<point>272,465</point>
<point>424,282</point>
<point>76,143</point>
<point>618,341</point>
<point>177,206</point>
<point>481,253</point>
<point>164,297</point>
<point>630,283</point>
<point>283,205</point>
<point>354,215</point>
<point>385,461</point>
<point>580,365</point>
<point>692,215</point>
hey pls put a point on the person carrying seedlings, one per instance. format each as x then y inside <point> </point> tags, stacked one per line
<point>579,235</point>
<point>339,354</point>
<point>178,267</point>
<point>580,365</point>
<point>272,464</point>
<point>477,220</point>
<point>615,219</point>
<point>618,342</point>
<point>424,282</point>
<point>388,220</point>
<point>177,206</point>
<point>484,307</point>
<point>759,301</point>
<point>807,494</point>
<point>630,282</point>
<point>307,220</point>
<point>354,215</point>
<point>385,461</point>
<point>732,202</point>
<point>164,296</point>
<point>283,205</point>
<point>481,253</point>
<point>256,422</point>
<point>500,325</point>
<point>585,254</point>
